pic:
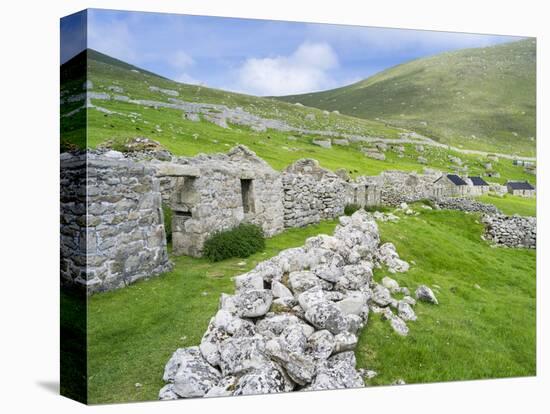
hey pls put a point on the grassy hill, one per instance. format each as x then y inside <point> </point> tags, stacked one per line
<point>483,98</point>
<point>112,120</point>
<point>484,326</point>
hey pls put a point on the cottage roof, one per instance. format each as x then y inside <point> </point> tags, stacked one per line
<point>520,185</point>
<point>456,180</point>
<point>478,181</point>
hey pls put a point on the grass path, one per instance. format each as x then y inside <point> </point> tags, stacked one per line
<point>473,333</point>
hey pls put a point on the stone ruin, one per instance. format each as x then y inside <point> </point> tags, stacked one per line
<point>112,226</point>
<point>112,223</point>
<point>294,320</point>
<point>210,193</point>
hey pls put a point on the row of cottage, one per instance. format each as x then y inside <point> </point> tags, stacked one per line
<point>113,229</point>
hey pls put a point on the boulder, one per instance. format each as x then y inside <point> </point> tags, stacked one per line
<point>253,303</point>
<point>190,373</point>
<point>337,372</point>
<point>320,344</point>
<point>326,315</point>
<point>425,294</point>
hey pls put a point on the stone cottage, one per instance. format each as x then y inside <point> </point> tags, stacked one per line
<point>215,192</point>
<point>453,184</point>
<point>476,186</point>
<point>520,188</point>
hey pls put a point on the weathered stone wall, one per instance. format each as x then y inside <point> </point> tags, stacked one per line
<point>73,219</point>
<point>511,231</point>
<point>311,193</point>
<point>121,232</point>
<point>466,204</point>
<point>211,193</point>
<point>401,187</point>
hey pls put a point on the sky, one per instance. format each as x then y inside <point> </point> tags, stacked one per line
<point>258,57</point>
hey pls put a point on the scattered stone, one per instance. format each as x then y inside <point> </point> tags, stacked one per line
<point>325,143</point>
<point>425,294</point>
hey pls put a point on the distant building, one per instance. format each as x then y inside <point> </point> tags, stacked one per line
<point>453,184</point>
<point>477,186</point>
<point>520,188</point>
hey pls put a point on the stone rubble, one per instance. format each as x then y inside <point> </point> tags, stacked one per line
<point>325,289</point>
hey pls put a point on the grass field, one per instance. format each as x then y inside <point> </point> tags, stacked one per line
<point>510,204</point>
<point>474,333</point>
<point>483,98</point>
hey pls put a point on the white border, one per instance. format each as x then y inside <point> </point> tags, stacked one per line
<point>29,203</point>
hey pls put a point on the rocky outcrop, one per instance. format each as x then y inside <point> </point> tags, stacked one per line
<point>294,320</point>
<point>511,231</point>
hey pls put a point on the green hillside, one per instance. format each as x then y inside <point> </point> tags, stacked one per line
<point>111,121</point>
<point>482,98</point>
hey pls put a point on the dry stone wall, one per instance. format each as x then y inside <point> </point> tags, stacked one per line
<point>311,194</point>
<point>466,204</point>
<point>511,231</point>
<point>401,187</point>
<point>121,231</point>
<point>73,219</point>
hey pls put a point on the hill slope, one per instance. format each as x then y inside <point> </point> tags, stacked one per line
<point>122,102</point>
<point>481,98</point>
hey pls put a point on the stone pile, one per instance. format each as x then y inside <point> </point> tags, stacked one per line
<point>294,320</point>
<point>466,204</point>
<point>511,231</point>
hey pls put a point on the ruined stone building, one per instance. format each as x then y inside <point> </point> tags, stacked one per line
<point>211,193</point>
<point>113,231</point>
<point>112,226</point>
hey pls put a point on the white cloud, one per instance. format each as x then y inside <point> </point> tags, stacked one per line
<point>181,60</point>
<point>186,78</point>
<point>113,39</point>
<point>305,70</point>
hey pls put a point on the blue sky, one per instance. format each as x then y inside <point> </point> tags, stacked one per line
<point>258,57</point>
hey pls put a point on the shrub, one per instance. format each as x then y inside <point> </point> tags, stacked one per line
<point>167,212</point>
<point>349,209</point>
<point>241,241</point>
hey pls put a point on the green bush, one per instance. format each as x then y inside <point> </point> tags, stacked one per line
<point>349,209</point>
<point>241,241</point>
<point>167,211</point>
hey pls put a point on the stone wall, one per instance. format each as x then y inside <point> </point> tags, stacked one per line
<point>121,232</point>
<point>466,204</point>
<point>73,219</point>
<point>311,193</point>
<point>402,187</point>
<point>511,231</point>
